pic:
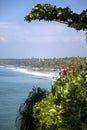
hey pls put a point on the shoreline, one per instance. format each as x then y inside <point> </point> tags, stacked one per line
<point>39,69</point>
<point>32,68</point>
<point>45,72</point>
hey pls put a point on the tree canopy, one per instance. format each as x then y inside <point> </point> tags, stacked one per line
<point>49,12</point>
<point>25,119</point>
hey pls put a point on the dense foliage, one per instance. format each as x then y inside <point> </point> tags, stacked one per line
<point>25,119</point>
<point>49,12</point>
<point>66,106</point>
<point>51,63</point>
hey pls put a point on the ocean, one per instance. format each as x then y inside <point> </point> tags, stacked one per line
<point>15,85</point>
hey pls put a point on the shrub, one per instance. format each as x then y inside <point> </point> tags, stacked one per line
<point>25,119</point>
<point>65,108</point>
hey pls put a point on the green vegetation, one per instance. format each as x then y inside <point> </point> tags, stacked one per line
<point>65,108</point>
<point>25,119</point>
<point>49,12</point>
<point>51,63</point>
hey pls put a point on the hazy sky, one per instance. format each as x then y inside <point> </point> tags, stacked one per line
<point>19,39</point>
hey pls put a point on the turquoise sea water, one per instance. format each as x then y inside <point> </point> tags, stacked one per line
<point>15,85</point>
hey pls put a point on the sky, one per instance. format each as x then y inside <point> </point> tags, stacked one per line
<point>19,39</point>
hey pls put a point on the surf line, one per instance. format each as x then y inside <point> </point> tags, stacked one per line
<point>36,73</point>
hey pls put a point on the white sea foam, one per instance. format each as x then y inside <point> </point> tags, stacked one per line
<point>34,73</point>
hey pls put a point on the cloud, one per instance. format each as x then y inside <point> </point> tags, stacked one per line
<point>39,33</point>
<point>3,39</point>
<point>40,40</point>
<point>9,31</point>
<point>54,32</point>
<point>8,25</point>
<point>49,28</point>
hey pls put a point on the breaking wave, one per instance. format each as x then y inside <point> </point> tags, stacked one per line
<point>34,73</point>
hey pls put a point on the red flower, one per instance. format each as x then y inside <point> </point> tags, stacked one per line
<point>62,65</point>
<point>73,67</point>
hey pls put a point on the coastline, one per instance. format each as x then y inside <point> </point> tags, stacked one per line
<point>46,72</point>
<point>39,69</point>
<point>43,72</point>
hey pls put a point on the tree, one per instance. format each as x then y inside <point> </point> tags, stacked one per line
<point>25,119</point>
<point>49,12</point>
